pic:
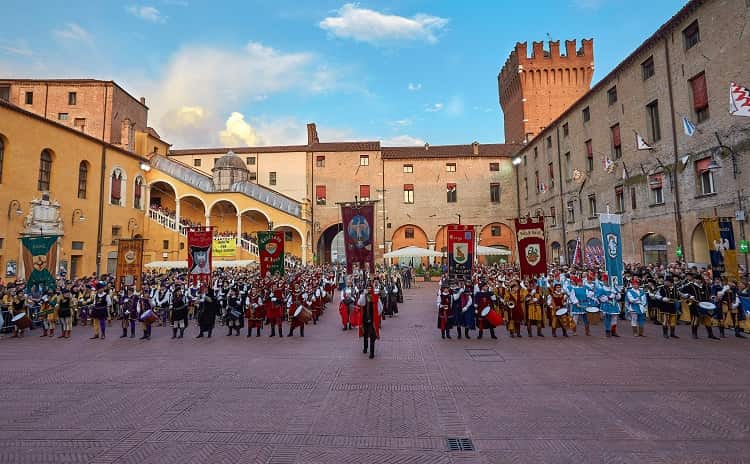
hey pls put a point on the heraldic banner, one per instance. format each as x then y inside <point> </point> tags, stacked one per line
<point>129,263</point>
<point>39,257</point>
<point>612,244</point>
<point>199,254</point>
<point>358,235</point>
<point>721,247</point>
<point>271,247</point>
<point>531,246</point>
<point>460,250</point>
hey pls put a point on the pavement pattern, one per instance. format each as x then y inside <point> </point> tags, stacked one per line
<point>320,400</point>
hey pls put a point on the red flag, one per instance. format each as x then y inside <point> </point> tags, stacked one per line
<point>532,249</point>
<point>358,235</point>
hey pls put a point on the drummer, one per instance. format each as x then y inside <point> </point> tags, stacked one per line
<point>578,298</point>
<point>696,292</point>
<point>669,300</point>
<point>533,299</point>
<point>636,304</point>
<point>485,299</point>
<point>557,306</point>
<point>607,297</point>
<point>19,307</point>
<point>296,301</point>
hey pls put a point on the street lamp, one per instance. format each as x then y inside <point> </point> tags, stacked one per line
<point>17,204</point>
<point>145,167</point>
<point>81,217</point>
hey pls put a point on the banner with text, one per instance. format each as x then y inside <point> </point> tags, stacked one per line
<point>612,244</point>
<point>39,258</point>
<point>532,250</point>
<point>460,250</point>
<point>129,263</point>
<point>271,250</point>
<point>358,235</point>
<point>224,247</point>
<point>199,254</point>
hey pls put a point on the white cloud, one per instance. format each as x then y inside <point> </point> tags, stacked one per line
<point>414,87</point>
<point>72,31</point>
<point>400,122</point>
<point>402,140</point>
<point>238,132</point>
<point>147,13</point>
<point>364,25</point>
<point>15,47</point>
<point>434,108</point>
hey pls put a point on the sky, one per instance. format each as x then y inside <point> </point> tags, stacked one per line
<point>245,73</point>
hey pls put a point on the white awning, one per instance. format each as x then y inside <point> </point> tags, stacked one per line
<point>491,251</point>
<point>413,252</point>
<point>183,264</point>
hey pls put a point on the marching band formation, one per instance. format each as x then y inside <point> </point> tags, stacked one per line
<point>565,299</point>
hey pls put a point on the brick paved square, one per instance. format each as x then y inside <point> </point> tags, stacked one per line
<point>320,400</point>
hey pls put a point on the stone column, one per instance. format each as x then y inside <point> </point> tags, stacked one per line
<point>177,213</point>
<point>431,246</point>
<point>208,220</point>
<point>239,228</point>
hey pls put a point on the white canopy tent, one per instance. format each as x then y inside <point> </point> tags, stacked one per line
<point>183,264</point>
<point>413,252</point>
<point>491,251</point>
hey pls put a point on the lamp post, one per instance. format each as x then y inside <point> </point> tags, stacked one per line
<point>17,209</point>
<point>81,217</point>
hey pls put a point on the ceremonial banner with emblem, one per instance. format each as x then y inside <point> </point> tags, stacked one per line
<point>39,258</point>
<point>532,251</point>
<point>612,244</point>
<point>129,263</point>
<point>199,254</point>
<point>460,250</point>
<point>358,235</point>
<point>721,246</point>
<point>271,249</point>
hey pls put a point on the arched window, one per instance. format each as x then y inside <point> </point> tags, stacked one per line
<point>138,193</point>
<point>654,249</point>
<point>83,174</point>
<point>45,171</point>
<point>2,157</point>
<point>115,194</point>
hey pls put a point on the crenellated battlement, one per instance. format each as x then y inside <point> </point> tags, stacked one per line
<point>541,57</point>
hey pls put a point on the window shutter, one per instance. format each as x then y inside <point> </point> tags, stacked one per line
<point>451,186</point>
<point>700,93</point>
<point>320,192</point>
<point>654,182</point>
<point>589,149</point>
<point>364,191</point>
<point>408,186</point>
<point>116,187</point>
<point>616,135</point>
<point>702,165</point>
<point>618,189</point>
<point>138,189</point>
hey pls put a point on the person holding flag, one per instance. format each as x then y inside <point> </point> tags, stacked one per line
<point>369,329</point>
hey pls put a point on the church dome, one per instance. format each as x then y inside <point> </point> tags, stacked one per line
<point>228,170</point>
<point>230,160</point>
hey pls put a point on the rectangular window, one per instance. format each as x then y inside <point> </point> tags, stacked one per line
<point>29,98</point>
<point>253,176</point>
<point>320,161</point>
<point>79,123</point>
<point>494,167</point>
<point>409,232</point>
<point>495,192</point>
<point>115,231</point>
<point>272,178</point>
<point>654,128</point>
<point>656,184</point>
<point>409,193</point>
<point>450,167</point>
<point>408,168</point>
<point>526,186</point>
<point>592,206</point>
<point>589,156</point>
<point>553,216</point>
<point>633,202</point>
<point>612,96</point>
<point>496,231</point>
<point>288,237</point>
<point>2,242</point>
<point>567,166</point>
<point>586,114</point>
<point>450,188</point>
<point>571,212</point>
<point>705,176</point>
<point>5,92</point>
<point>197,162</point>
<point>692,35</point>
<point>364,192</point>
<point>62,116</point>
<point>619,199</point>
<point>647,68</point>
<point>320,195</point>
<point>72,97</point>
<point>536,179</point>
<point>76,245</point>
<point>250,161</point>
<point>616,142</point>
<point>364,160</point>
<point>700,96</point>
<point>549,141</point>
<point>566,130</point>
<point>551,170</point>
<point>165,244</point>
<point>83,174</point>
<point>536,152</point>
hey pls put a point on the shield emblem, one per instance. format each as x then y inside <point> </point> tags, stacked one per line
<point>130,257</point>
<point>271,248</point>
<point>533,254</point>
<point>612,246</point>
<point>460,253</point>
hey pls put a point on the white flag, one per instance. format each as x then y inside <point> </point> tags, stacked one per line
<point>739,100</point>
<point>688,126</point>
<point>640,143</point>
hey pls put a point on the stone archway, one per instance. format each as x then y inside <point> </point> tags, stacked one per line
<point>223,218</point>
<point>410,235</point>
<point>330,246</point>
<point>699,244</point>
<point>654,248</point>
<point>498,235</point>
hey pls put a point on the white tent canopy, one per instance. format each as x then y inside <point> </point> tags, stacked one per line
<point>491,251</point>
<point>413,252</point>
<point>183,264</point>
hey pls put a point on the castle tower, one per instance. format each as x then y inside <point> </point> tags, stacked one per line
<point>535,90</point>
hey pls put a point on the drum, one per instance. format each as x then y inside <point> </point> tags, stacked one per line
<point>22,321</point>
<point>706,308</point>
<point>561,312</point>
<point>492,317</point>
<point>594,315</point>
<point>149,317</point>
<point>83,313</point>
<point>235,314</point>
<point>303,315</point>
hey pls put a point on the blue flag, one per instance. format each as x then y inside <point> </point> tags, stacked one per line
<point>688,126</point>
<point>612,244</point>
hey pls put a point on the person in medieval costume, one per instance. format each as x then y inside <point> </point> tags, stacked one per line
<point>178,316</point>
<point>445,314</point>
<point>371,311</point>
<point>463,309</point>
<point>209,308</point>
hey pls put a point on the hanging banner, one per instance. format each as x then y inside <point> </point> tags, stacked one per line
<point>715,246</point>
<point>224,247</point>
<point>129,263</point>
<point>358,235</point>
<point>532,250</point>
<point>39,255</point>
<point>460,250</point>
<point>612,244</point>
<point>199,254</point>
<point>271,250</point>
<point>728,249</point>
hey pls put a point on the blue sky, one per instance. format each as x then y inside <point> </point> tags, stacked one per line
<point>255,72</point>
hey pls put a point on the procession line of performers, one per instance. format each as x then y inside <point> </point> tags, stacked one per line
<point>567,301</point>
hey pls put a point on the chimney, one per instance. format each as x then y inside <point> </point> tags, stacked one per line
<point>143,101</point>
<point>475,148</point>
<point>312,134</point>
